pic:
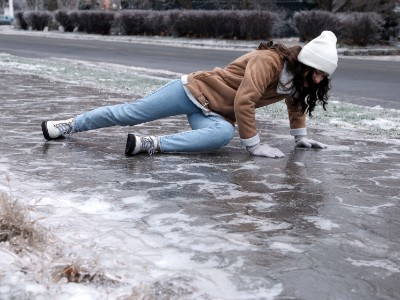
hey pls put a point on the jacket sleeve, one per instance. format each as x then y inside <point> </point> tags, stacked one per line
<point>297,119</point>
<point>258,74</point>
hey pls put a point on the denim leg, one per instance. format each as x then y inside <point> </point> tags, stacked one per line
<point>208,133</point>
<point>169,100</point>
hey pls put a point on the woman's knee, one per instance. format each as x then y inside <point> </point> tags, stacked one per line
<point>225,132</point>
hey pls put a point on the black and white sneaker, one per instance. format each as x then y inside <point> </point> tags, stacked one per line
<point>136,144</point>
<point>53,130</point>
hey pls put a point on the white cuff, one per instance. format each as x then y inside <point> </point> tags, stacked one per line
<point>184,79</point>
<point>251,141</point>
<point>298,131</point>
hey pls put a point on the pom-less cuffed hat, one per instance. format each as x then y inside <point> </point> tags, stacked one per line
<point>321,53</point>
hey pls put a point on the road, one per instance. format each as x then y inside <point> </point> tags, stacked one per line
<point>365,82</point>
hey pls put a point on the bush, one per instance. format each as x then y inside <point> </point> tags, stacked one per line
<point>158,25</point>
<point>141,22</point>
<point>350,28</point>
<point>36,20</point>
<point>310,24</point>
<point>76,20</point>
<point>229,24</point>
<point>388,9</point>
<point>63,18</point>
<point>91,21</point>
<point>132,24</point>
<point>361,28</point>
<point>96,22</point>
<point>256,25</point>
<point>21,23</point>
<point>190,23</point>
<point>199,23</point>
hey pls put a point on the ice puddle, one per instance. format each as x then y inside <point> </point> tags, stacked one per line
<point>120,251</point>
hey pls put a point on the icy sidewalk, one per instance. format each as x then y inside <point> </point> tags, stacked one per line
<point>220,225</point>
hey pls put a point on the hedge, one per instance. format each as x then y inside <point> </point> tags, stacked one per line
<point>350,28</point>
<point>354,28</point>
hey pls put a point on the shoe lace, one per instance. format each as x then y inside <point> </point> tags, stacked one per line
<point>148,144</point>
<point>64,128</point>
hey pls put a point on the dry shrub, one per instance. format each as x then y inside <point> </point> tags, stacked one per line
<point>80,272</point>
<point>45,255</point>
<point>141,292</point>
<point>171,288</point>
<point>74,274</point>
<point>16,226</point>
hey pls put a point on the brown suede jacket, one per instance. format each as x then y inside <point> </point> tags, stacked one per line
<point>245,84</point>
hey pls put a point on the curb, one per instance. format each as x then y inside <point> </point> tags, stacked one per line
<point>370,52</point>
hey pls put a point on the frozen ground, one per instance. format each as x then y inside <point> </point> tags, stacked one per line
<point>220,225</point>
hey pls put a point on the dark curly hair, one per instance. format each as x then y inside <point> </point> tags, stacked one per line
<point>307,96</point>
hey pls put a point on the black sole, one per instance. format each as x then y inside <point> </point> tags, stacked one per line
<point>130,144</point>
<point>46,133</point>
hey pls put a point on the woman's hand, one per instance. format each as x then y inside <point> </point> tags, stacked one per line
<point>309,143</point>
<point>264,150</point>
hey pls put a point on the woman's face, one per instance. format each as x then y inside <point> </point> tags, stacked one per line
<point>315,76</point>
<point>318,76</point>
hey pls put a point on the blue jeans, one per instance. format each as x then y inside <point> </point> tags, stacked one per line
<point>208,132</point>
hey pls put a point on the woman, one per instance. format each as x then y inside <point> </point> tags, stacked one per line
<point>214,101</point>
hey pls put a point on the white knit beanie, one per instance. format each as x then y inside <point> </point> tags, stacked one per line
<point>321,53</point>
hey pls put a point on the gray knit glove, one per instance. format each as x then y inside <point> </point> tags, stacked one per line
<point>264,150</point>
<point>302,141</point>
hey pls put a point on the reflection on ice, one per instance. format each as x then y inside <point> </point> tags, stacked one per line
<point>322,223</point>
<point>284,247</point>
<point>383,264</point>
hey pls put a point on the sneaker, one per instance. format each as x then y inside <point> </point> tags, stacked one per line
<point>53,130</point>
<point>136,144</point>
